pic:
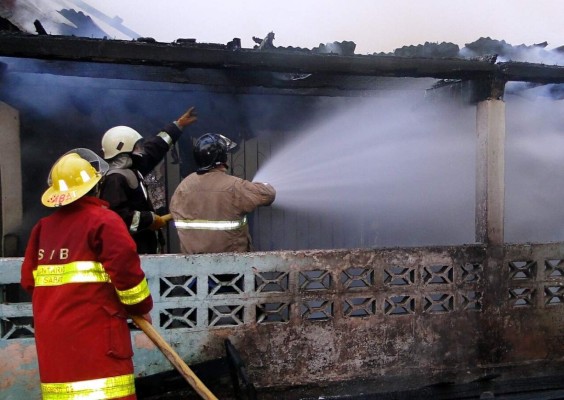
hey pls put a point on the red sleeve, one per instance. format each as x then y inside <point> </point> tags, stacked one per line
<point>118,255</point>
<point>30,260</point>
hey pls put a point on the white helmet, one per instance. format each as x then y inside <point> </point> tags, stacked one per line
<point>119,139</point>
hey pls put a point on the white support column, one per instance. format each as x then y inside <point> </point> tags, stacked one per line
<point>10,178</point>
<point>490,167</point>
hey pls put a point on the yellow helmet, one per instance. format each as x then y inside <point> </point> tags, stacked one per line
<point>72,176</point>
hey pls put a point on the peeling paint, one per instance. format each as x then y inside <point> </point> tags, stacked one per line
<point>19,364</point>
<point>412,315</point>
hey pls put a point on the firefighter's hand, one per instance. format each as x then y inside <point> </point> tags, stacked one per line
<point>146,317</point>
<point>187,118</point>
<point>158,222</point>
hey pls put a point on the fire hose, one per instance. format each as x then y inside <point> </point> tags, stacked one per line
<point>173,357</point>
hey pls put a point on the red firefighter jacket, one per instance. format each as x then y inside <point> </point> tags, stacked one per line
<point>210,209</point>
<point>83,271</point>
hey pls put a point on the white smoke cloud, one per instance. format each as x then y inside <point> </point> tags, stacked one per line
<point>404,166</point>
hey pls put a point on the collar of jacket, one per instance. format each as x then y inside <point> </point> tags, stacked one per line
<point>88,200</point>
<point>121,161</point>
<point>219,168</point>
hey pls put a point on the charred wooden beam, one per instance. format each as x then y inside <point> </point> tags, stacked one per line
<point>189,62</point>
<point>39,27</point>
<point>528,72</point>
<point>202,56</point>
<point>259,82</point>
<point>492,88</point>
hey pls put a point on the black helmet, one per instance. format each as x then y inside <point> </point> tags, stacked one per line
<point>211,150</point>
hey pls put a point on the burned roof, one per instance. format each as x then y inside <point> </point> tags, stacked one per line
<point>327,68</point>
<point>187,55</point>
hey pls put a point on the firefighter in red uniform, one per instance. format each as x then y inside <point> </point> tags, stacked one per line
<point>82,269</point>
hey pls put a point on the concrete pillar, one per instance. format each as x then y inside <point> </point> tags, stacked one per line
<point>10,180</point>
<point>490,164</point>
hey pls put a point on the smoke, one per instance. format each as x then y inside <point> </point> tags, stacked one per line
<point>23,13</point>
<point>399,168</point>
<point>393,170</point>
<point>58,113</point>
<point>534,167</point>
<point>537,55</point>
<point>531,54</point>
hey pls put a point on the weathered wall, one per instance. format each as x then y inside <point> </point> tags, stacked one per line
<point>398,316</point>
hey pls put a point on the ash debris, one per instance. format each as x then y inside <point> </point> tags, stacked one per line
<point>345,48</point>
<point>267,43</point>
<point>427,50</point>
<point>485,49</point>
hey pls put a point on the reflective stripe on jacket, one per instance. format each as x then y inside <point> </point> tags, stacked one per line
<point>87,271</point>
<point>210,225</point>
<point>103,388</point>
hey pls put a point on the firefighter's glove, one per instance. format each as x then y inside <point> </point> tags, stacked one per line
<point>158,222</point>
<point>187,118</point>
